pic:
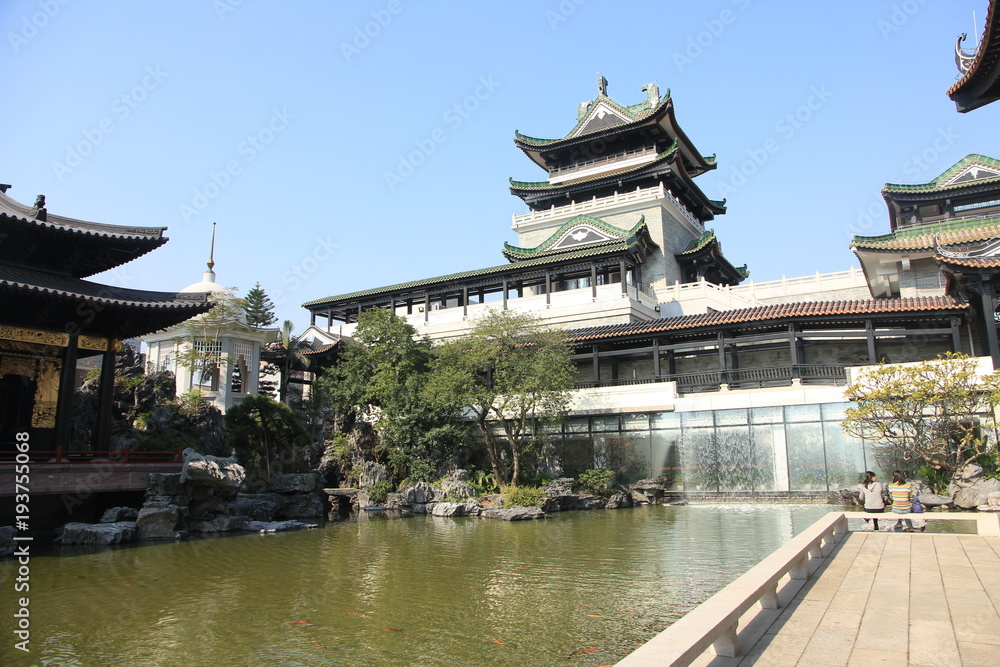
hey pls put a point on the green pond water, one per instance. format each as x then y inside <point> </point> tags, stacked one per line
<point>577,588</point>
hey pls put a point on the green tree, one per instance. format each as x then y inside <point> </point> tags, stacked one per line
<point>381,380</point>
<point>266,435</point>
<point>506,374</point>
<point>294,349</point>
<point>200,340</point>
<point>939,414</point>
<point>259,308</point>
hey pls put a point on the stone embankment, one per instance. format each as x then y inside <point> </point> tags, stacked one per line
<point>456,497</point>
<point>205,498</point>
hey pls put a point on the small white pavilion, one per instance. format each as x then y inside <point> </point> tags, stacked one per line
<point>230,349</point>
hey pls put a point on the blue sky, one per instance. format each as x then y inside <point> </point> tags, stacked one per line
<point>341,146</point>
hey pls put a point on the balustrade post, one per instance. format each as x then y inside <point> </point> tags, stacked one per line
<point>728,643</point>
<point>769,600</point>
<point>59,452</point>
<point>800,570</point>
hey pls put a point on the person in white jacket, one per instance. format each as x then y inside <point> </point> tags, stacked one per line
<point>871,496</point>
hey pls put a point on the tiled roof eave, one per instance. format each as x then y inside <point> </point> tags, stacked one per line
<point>150,234</point>
<point>514,268</point>
<point>987,55</point>
<point>544,187</point>
<point>828,311</point>
<point>653,115</point>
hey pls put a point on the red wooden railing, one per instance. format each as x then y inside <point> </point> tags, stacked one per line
<point>60,455</point>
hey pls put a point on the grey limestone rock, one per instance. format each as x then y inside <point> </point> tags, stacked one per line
<point>118,532</point>
<point>514,514</point>
<point>159,522</point>
<point>422,493</point>
<point>300,505</point>
<point>469,508</point>
<point>977,494</point>
<point>213,471</point>
<point>116,514</point>
<point>591,503</point>
<point>457,484</point>
<point>620,497</point>
<point>371,474</point>
<point>164,484</point>
<point>559,487</point>
<point>219,524</point>
<point>931,500</point>
<point>275,526</point>
<point>255,506</point>
<point>300,482</point>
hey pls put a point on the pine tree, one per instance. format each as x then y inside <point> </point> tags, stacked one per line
<point>260,308</point>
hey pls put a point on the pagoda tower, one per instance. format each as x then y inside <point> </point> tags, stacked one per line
<point>621,164</point>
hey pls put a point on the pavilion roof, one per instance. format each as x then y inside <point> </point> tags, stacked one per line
<point>79,248</point>
<point>927,237</point>
<point>970,262</point>
<point>979,83</point>
<point>608,234</point>
<point>951,178</point>
<point>634,118</point>
<point>39,298</point>
<point>772,314</point>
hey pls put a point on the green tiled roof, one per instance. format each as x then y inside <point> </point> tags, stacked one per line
<point>952,171</point>
<point>545,185</point>
<point>698,243</point>
<point>587,251</point>
<point>926,237</point>
<point>636,112</point>
<point>542,248</point>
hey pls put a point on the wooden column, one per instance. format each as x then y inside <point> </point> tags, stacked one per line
<point>872,352</point>
<point>548,288</point>
<point>427,306</point>
<point>465,301</point>
<point>64,404</point>
<point>721,342</point>
<point>596,361</point>
<point>793,350</point>
<point>593,281</point>
<point>621,272</point>
<point>105,398</point>
<point>656,357</point>
<point>956,336</point>
<point>505,294</point>
<point>989,320</point>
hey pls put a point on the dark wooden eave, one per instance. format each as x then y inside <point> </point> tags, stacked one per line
<point>980,84</point>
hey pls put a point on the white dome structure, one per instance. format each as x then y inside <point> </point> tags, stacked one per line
<point>219,357</point>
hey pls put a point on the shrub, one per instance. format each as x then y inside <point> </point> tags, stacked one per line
<point>523,496</point>
<point>483,482</point>
<point>595,481</point>
<point>379,493</point>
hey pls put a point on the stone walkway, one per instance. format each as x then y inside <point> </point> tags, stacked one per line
<point>891,599</point>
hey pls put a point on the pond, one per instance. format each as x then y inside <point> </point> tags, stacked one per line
<point>577,588</point>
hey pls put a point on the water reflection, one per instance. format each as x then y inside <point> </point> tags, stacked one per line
<point>419,590</point>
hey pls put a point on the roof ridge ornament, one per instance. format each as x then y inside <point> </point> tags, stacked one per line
<point>209,276</point>
<point>963,60</point>
<point>602,85</point>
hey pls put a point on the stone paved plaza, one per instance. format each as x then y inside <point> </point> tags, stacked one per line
<point>891,599</point>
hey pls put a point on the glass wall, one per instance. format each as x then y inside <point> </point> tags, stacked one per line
<point>772,449</point>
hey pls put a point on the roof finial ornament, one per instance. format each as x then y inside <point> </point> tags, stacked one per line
<point>41,213</point>
<point>652,95</point>
<point>962,59</point>
<point>209,276</point>
<point>602,85</point>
